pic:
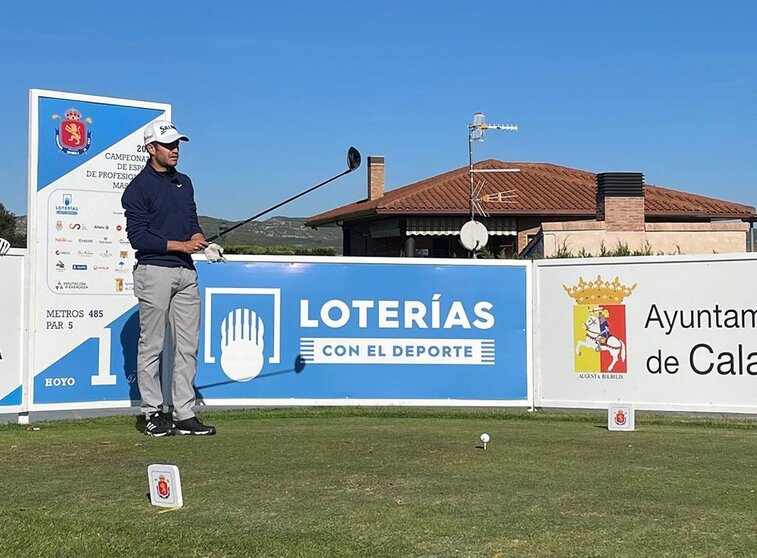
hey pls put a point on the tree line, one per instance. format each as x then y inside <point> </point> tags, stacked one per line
<point>8,229</point>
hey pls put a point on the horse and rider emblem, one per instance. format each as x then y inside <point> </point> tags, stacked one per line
<point>72,136</point>
<point>599,325</point>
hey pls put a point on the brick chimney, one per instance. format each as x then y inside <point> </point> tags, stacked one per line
<point>375,177</point>
<point>620,200</point>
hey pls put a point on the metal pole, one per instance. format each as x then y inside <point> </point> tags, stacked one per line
<point>472,253</point>
<point>470,172</point>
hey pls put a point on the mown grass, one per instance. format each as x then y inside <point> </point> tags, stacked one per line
<point>385,482</point>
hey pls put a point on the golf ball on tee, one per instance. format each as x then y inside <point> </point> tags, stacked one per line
<point>485,437</point>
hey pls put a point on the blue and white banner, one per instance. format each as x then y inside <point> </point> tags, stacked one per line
<point>327,330</point>
<point>83,151</point>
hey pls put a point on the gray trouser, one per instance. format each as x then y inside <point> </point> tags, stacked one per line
<point>167,296</point>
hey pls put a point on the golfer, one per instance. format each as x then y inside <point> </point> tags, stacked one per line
<point>162,226</point>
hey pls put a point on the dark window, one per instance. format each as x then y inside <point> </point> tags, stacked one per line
<point>440,247</point>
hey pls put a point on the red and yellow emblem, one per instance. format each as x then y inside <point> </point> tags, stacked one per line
<point>599,325</point>
<point>164,489</point>
<point>72,135</point>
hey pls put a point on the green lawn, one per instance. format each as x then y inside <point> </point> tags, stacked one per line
<point>385,482</point>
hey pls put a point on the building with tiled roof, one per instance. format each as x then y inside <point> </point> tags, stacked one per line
<point>536,208</point>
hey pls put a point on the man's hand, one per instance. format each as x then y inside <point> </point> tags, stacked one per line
<point>198,238</point>
<point>214,253</point>
<point>187,246</point>
<point>5,246</point>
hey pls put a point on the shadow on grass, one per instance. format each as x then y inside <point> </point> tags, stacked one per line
<point>299,366</point>
<point>140,423</point>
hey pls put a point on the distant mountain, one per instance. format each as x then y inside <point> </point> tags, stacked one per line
<point>276,231</point>
<point>21,225</point>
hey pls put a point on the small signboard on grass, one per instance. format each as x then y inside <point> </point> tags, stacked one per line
<point>621,417</point>
<point>165,486</point>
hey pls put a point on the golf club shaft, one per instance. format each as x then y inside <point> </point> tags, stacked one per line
<point>220,234</point>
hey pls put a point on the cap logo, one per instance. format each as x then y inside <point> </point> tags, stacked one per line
<point>162,131</point>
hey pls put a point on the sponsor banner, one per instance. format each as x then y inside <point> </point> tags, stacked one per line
<point>84,150</point>
<point>658,333</point>
<point>323,330</point>
<point>11,330</point>
<point>351,329</point>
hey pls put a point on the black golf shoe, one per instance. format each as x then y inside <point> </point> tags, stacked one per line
<point>158,426</point>
<point>193,427</point>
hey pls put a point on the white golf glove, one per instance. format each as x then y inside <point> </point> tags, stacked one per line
<point>214,253</point>
<point>4,246</point>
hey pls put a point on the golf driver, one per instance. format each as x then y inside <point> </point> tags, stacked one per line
<point>353,162</point>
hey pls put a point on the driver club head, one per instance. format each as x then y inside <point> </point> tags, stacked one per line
<point>353,158</point>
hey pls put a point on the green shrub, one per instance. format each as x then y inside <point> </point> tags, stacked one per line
<point>278,250</point>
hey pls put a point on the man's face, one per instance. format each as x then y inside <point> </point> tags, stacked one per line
<point>165,154</point>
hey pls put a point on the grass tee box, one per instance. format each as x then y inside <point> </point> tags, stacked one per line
<point>392,482</point>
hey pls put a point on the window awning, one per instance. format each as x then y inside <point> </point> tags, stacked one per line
<point>441,226</point>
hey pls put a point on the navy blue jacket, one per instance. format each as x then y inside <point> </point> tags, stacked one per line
<point>160,206</point>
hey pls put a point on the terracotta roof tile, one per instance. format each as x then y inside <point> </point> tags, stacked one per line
<point>538,189</point>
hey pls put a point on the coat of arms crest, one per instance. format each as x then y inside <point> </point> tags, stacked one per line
<point>72,135</point>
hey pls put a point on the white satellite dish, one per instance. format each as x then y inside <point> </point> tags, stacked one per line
<point>473,235</point>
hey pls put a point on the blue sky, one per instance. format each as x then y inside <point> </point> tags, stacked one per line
<point>273,95</point>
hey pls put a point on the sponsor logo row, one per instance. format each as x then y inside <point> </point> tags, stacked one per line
<point>120,267</point>
<point>122,254</point>
<point>103,240</point>
<point>59,226</point>
<point>120,285</point>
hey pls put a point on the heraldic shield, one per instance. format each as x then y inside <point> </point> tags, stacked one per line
<point>72,135</point>
<point>599,326</point>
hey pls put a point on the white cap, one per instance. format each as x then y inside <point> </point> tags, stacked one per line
<point>162,131</point>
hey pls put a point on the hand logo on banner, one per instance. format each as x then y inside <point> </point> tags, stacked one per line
<point>242,345</point>
<point>4,246</point>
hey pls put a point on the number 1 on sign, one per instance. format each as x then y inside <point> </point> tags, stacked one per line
<point>104,376</point>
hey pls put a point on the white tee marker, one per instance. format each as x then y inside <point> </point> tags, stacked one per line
<point>165,486</point>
